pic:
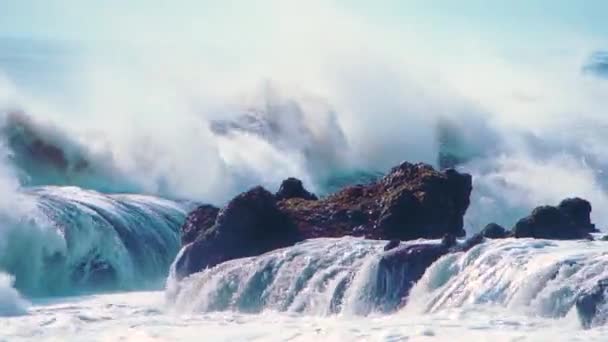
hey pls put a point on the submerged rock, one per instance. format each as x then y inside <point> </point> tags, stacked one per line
<point>491,231</point>
<point>251,224</point>
<point>569,220</point>
<point>412,201</point>
<point>401,267</point>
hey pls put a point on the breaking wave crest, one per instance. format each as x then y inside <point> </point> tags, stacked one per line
<point>347,276</point>
<point>77,240</point>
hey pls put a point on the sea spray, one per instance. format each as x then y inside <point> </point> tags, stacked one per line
<point>11,302</point>
<point>535,277</point>
<point>325,276</point>
<point>77,241</point>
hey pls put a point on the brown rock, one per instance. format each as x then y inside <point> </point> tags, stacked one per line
<point>412,201</point>
<point>198,221</point>
<point>251,224</point>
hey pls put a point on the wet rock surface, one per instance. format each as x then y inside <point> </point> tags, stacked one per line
<point>250,224</point>
<point>567,221</point>
<point>198,221</point>
<point>412,201</point>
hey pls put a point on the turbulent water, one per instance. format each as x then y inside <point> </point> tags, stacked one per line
<point>76,241</point>
<point>103,157</point>
<point>330,289</point>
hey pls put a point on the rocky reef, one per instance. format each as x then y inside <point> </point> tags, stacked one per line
<point>412,201</point>
<point>250,224</point>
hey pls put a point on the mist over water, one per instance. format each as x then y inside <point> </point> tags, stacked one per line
<point>148,123</point>
<point>107,140</point>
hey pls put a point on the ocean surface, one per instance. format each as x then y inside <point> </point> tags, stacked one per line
<point>457,299</point>
<point>104,154</point>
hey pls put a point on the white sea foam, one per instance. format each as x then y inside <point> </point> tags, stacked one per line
<point>11,302</point>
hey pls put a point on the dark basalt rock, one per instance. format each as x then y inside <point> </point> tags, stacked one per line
<point>494,231</point>
<point>251,224</point>
<point>198,221</point>
<point>570,220</point>
<point>579,211</point>
<point>491,231</point>
<point>591,305</point>
<point>412,201</point>
<point>293,188</point>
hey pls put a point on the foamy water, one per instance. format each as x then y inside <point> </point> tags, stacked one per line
<point>333,100</point>
<point>498,291</point>
<point>143,316</point>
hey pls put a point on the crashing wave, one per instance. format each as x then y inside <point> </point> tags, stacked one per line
<point>319,276</point>
<point>306,127</point>
<point>44,155</point>
<point>351,276</point>
<point>78,240</point>
<point>538,277</point>
<point>11,302</point>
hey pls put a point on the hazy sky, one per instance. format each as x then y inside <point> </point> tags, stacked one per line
<point>251,19</point>
<point>388,67</point>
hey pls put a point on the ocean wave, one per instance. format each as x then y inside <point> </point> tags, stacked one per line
<point>11,302</point>
<point>346,276</point>
<point>76,240</point>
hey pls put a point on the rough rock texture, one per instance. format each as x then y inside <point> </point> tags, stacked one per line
<point>412,201</point>
<point>198,221</point>
<point>251,224</point>
<point>569,220</point>
<point>293,188</point>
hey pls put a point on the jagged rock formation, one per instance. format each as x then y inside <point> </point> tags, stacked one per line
<point>412,201</point>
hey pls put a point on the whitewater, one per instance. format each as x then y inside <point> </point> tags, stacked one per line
<point>291,295</point>
<point>102,157</point>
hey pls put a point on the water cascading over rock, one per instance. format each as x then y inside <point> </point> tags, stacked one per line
<point>412,201</point>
